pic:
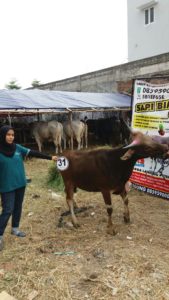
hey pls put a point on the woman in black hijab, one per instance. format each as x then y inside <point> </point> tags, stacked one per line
<point>6,148</point>
<point>13,180</point>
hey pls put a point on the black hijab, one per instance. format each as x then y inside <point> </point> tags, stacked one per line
<point>6,148</point>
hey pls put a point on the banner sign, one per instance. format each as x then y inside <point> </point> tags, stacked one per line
<point>151,116</point>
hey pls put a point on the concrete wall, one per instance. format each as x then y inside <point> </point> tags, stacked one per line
<point>114,79</point>
<point>151,39</point>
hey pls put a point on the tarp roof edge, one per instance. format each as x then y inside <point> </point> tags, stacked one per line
<point>61,102</point>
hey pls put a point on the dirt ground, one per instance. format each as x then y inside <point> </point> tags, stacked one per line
<point>86,263</point>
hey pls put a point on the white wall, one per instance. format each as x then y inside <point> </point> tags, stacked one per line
<point>147,40</point>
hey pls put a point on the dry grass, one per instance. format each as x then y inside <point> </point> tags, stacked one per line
<point>64,263</point>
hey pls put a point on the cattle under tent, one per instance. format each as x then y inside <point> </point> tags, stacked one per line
<point>35,103</point>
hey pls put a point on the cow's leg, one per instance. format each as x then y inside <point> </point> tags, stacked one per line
<point>82,142</point>
<point>69,190</point>
<point>71,142</point>
<point>86,142</point>
<point>78,139</point>
<point>39,145</point>
<point>86,132</point>
<point>56,146</point>
<point>126,208</point>
<point>107,199</point>
<point>57,143</point>
<point>64,141</point>
<point>60,144</point>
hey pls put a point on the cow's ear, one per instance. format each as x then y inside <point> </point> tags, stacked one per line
<point>128,154</point>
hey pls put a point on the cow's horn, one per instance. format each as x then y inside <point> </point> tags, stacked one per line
<point>134,143</point>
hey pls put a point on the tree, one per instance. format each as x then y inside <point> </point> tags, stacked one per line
<point>13,85</point>
<point>35,83</point>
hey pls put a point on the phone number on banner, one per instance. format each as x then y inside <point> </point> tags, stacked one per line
<point>151,191</point>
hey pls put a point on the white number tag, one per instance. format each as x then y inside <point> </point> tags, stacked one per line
<point>62,163</point>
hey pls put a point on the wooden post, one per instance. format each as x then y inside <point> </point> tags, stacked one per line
<point>38,116</point>
<point>9,119</point>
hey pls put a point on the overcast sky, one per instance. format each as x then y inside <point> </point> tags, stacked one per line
<point>49,40</point>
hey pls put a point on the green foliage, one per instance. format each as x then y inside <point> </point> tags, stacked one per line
<point>13,85</point>
<point>54,179</point>
<point>35,83</point>
<point>129,91</point>
<point>161,126</point>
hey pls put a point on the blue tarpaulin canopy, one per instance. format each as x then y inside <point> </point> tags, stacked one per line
<point>35,100</point>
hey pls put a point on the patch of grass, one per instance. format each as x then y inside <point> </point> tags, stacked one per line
<point>54,179</point>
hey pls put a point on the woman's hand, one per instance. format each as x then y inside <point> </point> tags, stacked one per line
<point>54,158</point>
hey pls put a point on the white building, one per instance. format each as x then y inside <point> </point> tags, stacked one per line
<point>148,28</point>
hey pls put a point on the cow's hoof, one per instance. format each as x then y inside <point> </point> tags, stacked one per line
<point>111,231</point>
<point>126,219</point>
<point>76,225</point>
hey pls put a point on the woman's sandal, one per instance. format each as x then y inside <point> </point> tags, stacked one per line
<point>18,233</point>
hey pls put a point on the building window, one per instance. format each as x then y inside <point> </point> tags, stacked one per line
<point>149,15</point>
<point>146,17</point>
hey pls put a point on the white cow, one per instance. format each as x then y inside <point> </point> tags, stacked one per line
<point>48,131</point>
<point>75,130</point>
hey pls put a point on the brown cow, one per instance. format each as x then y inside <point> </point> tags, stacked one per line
<point>104,171</point>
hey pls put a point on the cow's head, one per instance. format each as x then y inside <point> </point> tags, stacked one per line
<point>143,146</point>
